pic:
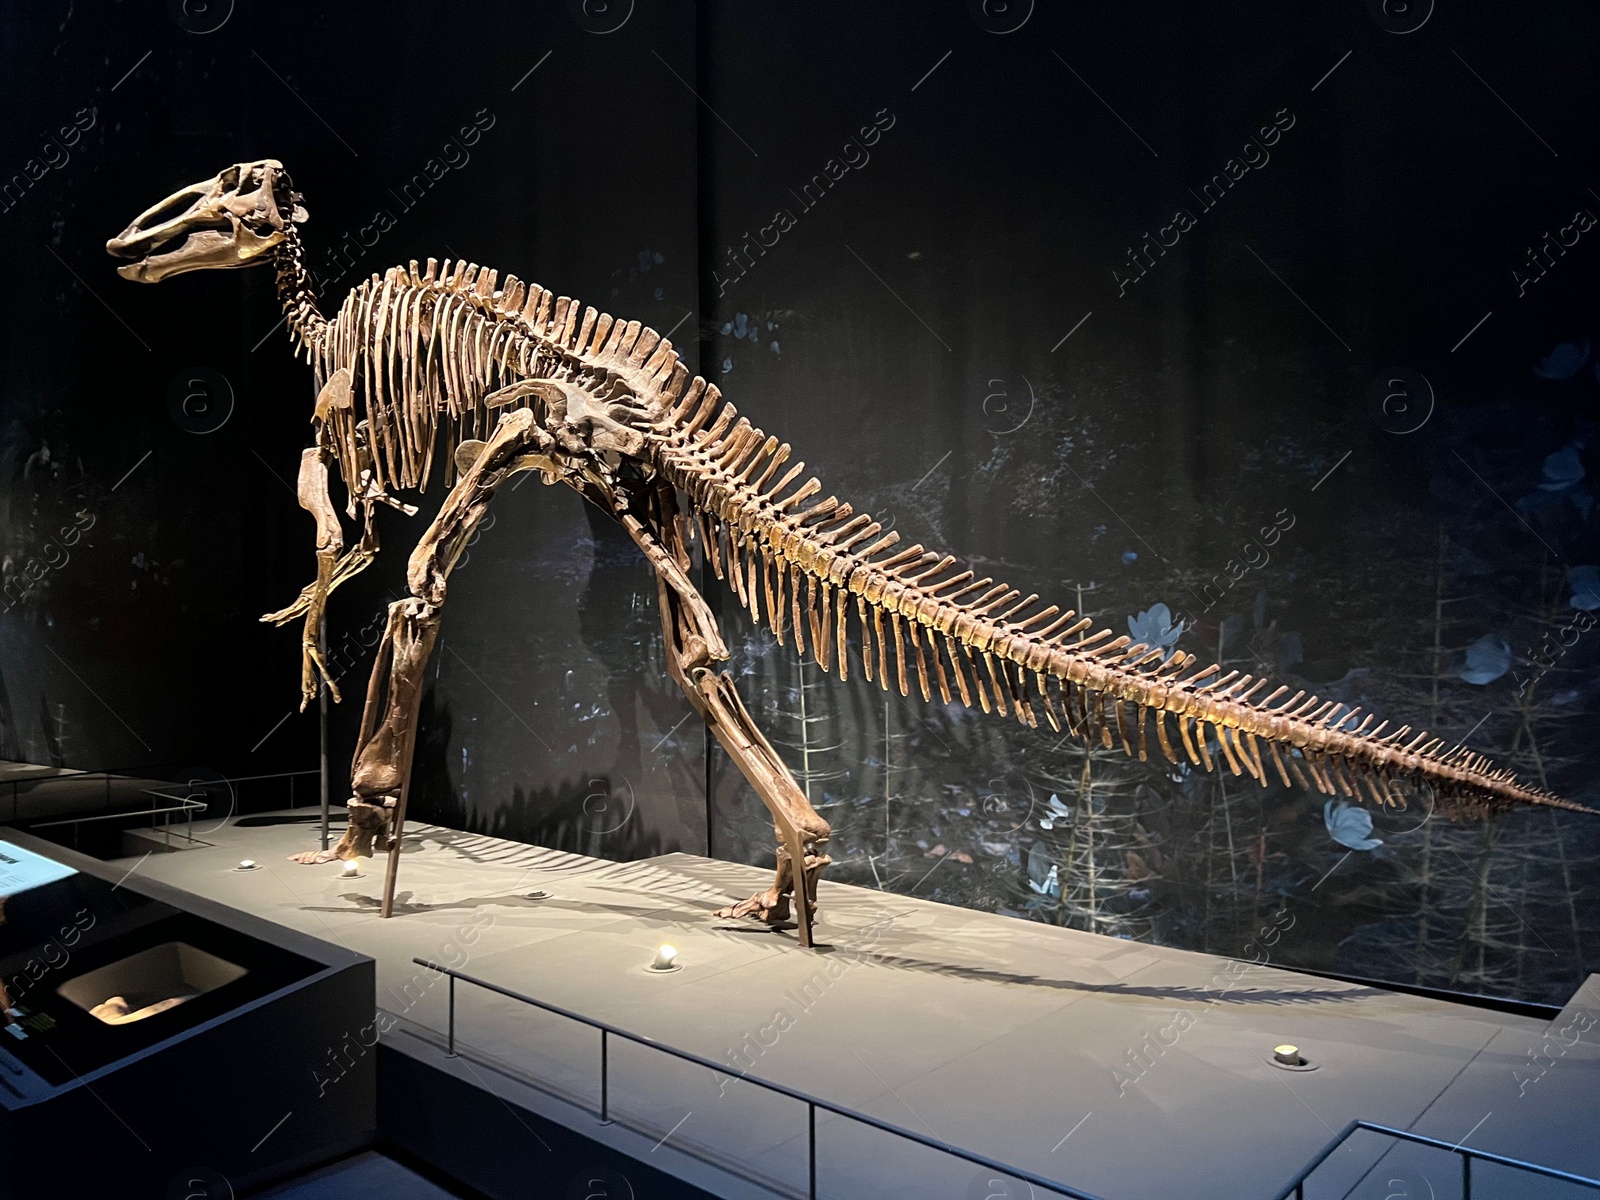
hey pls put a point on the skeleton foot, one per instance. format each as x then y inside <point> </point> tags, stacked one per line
<point>312,857</point>
<point>367,833</point>
<point>769,906</point>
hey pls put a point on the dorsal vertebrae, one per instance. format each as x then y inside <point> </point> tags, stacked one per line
<point>439,351</point>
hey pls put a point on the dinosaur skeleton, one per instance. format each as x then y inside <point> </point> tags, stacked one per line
<point>448,364</point>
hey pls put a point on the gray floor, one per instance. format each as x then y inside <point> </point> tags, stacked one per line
<point>1130,1070</point>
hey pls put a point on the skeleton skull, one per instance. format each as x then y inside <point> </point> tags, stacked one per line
<point>229,220</point>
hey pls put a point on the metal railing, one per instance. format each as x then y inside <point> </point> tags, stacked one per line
<point>188,807</point>
<point>1297,1188</point>
<point>107,780</point>
<point>812,1103</point>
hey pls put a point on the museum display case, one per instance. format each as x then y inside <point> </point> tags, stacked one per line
<point>116,958</point>
<point>134,1010</point>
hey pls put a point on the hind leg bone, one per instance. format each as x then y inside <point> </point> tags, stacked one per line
<point>693,645</point>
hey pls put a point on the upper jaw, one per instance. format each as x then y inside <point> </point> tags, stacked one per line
<point>146,233</point>
<point>194,251</point>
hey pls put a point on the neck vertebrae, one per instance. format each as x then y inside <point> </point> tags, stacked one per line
<point>297,290</point>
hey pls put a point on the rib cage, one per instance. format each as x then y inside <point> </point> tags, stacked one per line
<point>429,349</point>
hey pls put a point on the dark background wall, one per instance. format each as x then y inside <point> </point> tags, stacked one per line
<point>1100,295</point>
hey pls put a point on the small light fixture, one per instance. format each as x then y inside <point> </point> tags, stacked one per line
<point>351,869</point>
<point>1289,1058</point>
<point>666,958</point>
<point>247,864</point>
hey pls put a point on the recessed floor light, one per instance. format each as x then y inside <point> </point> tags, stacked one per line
<point>1289,1058</point>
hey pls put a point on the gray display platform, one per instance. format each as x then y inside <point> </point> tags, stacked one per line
<point>1129,1070</point>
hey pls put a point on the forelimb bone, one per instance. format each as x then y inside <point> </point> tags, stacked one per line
<point>313,494</point>
<point>354,561</point>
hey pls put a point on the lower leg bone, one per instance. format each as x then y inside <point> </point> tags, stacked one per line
<point>382,767</point>
<point>693,643</point>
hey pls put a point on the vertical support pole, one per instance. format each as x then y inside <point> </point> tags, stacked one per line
<point>322,727</point>
<point>451,1052</point>
<point>605,1083</point>
<point>391,870</point>
<point>812,1138</point>
<point>802,897</point>
<point>711,824</point>
<point>706,586</point>
<point>1466,1176</point>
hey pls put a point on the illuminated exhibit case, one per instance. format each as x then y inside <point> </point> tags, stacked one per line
<point>148,1032</point>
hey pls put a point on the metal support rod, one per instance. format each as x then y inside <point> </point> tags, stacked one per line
<point>397,818</point>
<point>605,1082</point>
<point>1466,1176</point>
<point>812,1121</point>
<point>322,725</point>
<point>182,806</point>
<point>452,1049</point>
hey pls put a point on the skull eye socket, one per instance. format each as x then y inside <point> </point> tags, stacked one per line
<point>229,179</point>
